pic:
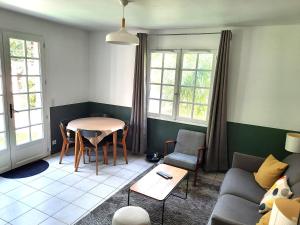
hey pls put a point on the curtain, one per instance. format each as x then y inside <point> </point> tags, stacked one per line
<point>217,155</point>
<point>138,119</point>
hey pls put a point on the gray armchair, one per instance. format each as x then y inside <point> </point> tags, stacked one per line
<point>188,153</point>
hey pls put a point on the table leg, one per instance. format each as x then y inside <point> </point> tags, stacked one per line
<point>163,212</point>
<point>128,197</point>
<point>115,146</point>
<point>76,149</point>
<point>187,186</point>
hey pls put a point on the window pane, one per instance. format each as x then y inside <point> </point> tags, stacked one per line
<point>186,94</point>
<point>169,77</point>
<point>156,59</point>
<point>21,119</point>
<point>20,102</point>
<point>201,96</point>
<point>187,78</point>
<point>33,66</point>
<point>19,84</point>
<point>155,76</point>
<point>153,106</point>
<point>170,60</point>
<point>2,123</point>
<point>200,112</point>
<point>34,84</point>
<point>167,92</point>
<point>205,61</point>
<point>203,79</point>
<point>22,136</point>
<point>185,110</point>
<point>18,67</point>
<point>2,141</point>
<point>35,100</point>
<point>36,116</point>
<point>1,104</point>
<point>32,49</point>
<point>154,91</point>
<point>1,88</point>
<point>17,47</point>
<point>36,132</point>
<point>189,60</point>
<point>166,108</point>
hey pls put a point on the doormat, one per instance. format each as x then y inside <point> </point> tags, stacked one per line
<point>27,170</point>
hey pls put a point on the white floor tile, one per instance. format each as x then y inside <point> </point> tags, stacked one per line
<point>21,192</point>
<point>102,190</point>
<point>57,174</point>
<point>5,201</point>
<point>55,188</point>
<point>71,179</point>
<point>86,185</point>
<point>114,181</point>
<point>70,194</point>
<point>32,217</point>
<point>48,170</point>
<point>88,201</point>
<point>52,206</point>
<point>28,180</point>
<point>13,211</point>
<point>126,174</point>
<point>70,214</point>
<point>41,182</point>
<point>52,221</point>
<point>100,177</point>
<point>112,170</point>
<point>35,198</point>
<point>2,222</point>
<point>8,185</point>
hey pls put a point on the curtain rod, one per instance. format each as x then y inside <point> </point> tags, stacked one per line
<point>170,34</point>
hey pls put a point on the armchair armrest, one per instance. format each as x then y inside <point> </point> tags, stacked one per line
<point>200,155</point>
<point>167,143</point>
<point>249,163</point>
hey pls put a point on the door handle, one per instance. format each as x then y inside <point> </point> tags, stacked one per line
<point>12,110</point>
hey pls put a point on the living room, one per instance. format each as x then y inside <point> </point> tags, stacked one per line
<point>247,107</point>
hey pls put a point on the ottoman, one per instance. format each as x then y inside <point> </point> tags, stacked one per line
<point>131,215</point>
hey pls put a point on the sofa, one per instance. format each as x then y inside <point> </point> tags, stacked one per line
<point>240,195</point>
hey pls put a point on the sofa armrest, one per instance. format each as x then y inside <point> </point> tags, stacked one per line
<point>249,163</point>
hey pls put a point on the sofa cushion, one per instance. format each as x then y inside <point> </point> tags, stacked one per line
<point>233,210</point>
<point>293,171</point>
<point>242,184</point>
<point>181,160</point>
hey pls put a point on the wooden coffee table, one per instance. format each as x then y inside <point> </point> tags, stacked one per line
<point>156,187</point>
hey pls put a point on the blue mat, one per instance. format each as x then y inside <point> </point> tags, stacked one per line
<point>27,170</point>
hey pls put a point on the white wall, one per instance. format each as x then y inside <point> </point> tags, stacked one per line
<point>111,69</point>
<point>66,56</point>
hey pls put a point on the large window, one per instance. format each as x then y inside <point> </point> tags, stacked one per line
<point>179,85</point>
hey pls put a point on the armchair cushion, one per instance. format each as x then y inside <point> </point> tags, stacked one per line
<point>188,142</point>
<point>181,160</point>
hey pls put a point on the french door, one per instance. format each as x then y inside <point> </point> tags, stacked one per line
<point>22,114</point>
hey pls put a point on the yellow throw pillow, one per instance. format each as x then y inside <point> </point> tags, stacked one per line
<point>269,172</point>
<point>280,189</point>
<point>264,220</point>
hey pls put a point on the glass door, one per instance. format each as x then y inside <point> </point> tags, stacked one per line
<point>23,67</point>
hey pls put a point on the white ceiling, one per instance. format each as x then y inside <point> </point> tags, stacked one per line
<point>160,14</point>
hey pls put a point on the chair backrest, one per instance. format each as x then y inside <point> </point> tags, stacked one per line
<point>87,134</point>
<point>63,131</point>
<point>99,115</point>
<point>125,132</point>
<point>188,142</point>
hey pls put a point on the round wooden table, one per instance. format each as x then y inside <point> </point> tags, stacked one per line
<point>103,124</point>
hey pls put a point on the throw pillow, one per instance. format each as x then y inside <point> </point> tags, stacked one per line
<point>269,172</point>
<point>280,189</point>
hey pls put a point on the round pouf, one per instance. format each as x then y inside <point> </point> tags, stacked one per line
<point>131,215</point>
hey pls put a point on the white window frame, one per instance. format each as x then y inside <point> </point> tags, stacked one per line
<point>178,76</point>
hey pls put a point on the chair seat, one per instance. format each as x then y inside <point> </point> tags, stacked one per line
<point>71,140</point>
<point>181,160</point>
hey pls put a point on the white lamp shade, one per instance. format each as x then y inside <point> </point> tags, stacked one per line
<point>292,143</point>
<point>122,37</point>
<point>284,212</point>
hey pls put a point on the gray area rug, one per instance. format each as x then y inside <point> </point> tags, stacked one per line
<point>195,210</point>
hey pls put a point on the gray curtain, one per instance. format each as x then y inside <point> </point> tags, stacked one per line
<point>216,139</point>
<point>138,121</point>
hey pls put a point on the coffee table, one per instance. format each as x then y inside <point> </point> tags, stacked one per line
<point>156,187</point>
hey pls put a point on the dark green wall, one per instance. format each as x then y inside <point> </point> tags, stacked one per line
<point>255,140</point>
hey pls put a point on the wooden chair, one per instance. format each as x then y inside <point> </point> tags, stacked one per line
<point>68,137</point>
<point>188,152</point>
<point>122,135</point>
<point>83,135</point>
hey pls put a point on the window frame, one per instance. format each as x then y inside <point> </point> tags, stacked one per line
<point>178,77</point>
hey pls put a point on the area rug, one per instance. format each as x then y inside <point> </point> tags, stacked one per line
<point>196,210</point>
<point>27,170</point>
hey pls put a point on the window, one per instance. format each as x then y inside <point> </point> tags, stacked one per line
<point>179,85</point>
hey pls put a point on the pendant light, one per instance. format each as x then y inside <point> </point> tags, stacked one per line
<point>122,37</point>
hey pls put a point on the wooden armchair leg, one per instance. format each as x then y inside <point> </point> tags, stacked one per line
<point>195,177</point>
<point>105,161</point>
<point>125,151</point>
<point>96,151</point>
<point>62,152</point>
<point>67,148</point>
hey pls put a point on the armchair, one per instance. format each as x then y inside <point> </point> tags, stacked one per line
<point>188,152</point>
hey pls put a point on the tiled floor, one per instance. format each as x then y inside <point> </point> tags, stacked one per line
<point>61,196</point>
